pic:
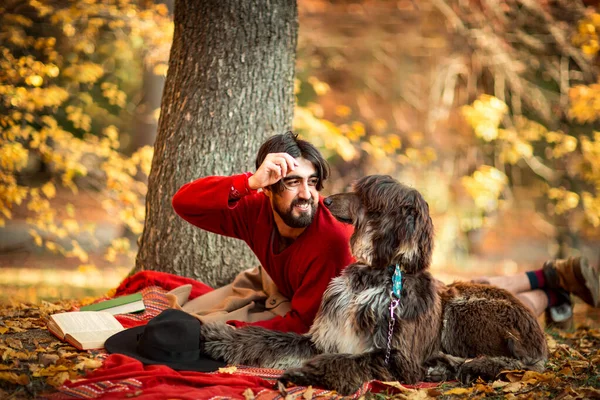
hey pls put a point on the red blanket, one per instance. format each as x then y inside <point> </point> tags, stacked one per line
<point>124,377</point>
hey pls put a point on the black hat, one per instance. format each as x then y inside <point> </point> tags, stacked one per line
<point>172,338</point>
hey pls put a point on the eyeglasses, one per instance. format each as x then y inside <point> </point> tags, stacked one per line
<point>294,184</point>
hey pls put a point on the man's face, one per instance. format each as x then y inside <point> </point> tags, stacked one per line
<point>297,203</point>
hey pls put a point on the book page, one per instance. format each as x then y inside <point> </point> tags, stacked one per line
<point>91,340</point>
<point>86,321</point>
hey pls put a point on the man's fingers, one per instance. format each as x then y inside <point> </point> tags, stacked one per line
<point>291,161</point>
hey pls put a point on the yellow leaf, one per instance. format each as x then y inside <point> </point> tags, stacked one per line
<point>512,387</point>
<point>458,391</point>
<point>161,69</point>
<point>308,393</point>
<point>228,370</point>
<point>21,379</point>
<point>34,80</point>
<point>88,363</point>
<point>58,379</point>
<point>248,394</point>
<point>49,190</point>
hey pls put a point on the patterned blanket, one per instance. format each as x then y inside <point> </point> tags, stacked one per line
<point>124,377</point>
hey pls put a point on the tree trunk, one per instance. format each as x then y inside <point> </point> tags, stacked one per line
<point>229,87</point>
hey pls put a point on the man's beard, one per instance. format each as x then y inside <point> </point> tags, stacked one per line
<point>302,221</point>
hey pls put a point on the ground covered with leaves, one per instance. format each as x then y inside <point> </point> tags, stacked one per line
<point>34,363</point>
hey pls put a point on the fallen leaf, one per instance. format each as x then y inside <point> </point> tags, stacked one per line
<point>579,366</point>
<point>483,388</point>
<point>51,370</point>
<point>421,394</point>
<point>458,391</point>
<point>308,393</point>
<point>10,354</point>
<point>590,392</point>
<point>398,385</point>
<point>552,344</point>
<point>568,393</point>
<point>20,379</point>
<point>499,384</point>
<point>228,370</point>
<point>434,392</point>
<point>566,371</point>
<point>512,387</point>
<point>58,379</point>
<point>14,343</point>
<point>513,376</point>
<point>88,363</point>
<point>534,377</point>
<point>248,394</point>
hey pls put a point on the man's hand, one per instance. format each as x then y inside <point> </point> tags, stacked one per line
<point>275,167</point>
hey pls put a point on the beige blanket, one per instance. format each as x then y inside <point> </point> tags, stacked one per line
<point>251,297</point>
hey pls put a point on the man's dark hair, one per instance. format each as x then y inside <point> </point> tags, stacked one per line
<point>289,143</point>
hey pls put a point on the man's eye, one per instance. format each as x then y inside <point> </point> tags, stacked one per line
<point>313,182</point>
<point>293,183</point>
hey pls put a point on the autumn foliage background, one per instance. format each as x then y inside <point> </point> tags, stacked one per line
<point>490,109</point>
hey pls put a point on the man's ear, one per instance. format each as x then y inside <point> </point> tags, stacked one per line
<point>268,192</point>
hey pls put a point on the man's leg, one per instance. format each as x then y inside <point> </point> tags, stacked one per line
<point>536,300</point>
<point>547,289</point>
<point>574,275</point>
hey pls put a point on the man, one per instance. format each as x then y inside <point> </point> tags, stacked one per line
<point>297,241</point>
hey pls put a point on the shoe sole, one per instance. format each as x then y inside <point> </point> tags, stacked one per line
<point>592,280</point>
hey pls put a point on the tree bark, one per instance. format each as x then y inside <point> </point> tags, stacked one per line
<point>229,86</point>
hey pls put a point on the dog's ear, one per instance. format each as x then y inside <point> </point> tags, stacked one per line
<point>418,295</point>
<point>415,234</point>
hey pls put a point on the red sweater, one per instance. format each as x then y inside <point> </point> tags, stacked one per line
<point>301,272</point>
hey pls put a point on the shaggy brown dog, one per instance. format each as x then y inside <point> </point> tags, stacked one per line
<point>363,332</point>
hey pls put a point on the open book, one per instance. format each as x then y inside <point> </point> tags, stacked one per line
<point>84,329</point>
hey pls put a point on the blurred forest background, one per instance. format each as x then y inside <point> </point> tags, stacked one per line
<point>491,108</point>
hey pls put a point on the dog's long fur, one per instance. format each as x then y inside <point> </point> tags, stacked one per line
<point>464,330</point>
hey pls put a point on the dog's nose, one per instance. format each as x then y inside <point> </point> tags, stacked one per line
<point>327,201</point>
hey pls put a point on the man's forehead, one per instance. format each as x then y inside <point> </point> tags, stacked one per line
<point>305,169</point>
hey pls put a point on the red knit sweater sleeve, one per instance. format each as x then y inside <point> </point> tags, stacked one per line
<point>205,203</point>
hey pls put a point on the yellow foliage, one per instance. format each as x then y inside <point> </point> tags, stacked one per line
<point>13,156</point>
<point>585,103</point>
<point>587,35</point>
<point>485,115</point>
<point>485,186</point>
<point>319,86</point>
<point>41,85</point>
<point>565,199</point>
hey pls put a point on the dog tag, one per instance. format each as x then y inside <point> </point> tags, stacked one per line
<point>397,282</point>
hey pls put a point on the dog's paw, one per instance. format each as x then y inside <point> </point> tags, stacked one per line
<point>299,377</point>
<point>438,373</point>
<point>442,367</point>
<point>470,370</point>
<point>324,371</point>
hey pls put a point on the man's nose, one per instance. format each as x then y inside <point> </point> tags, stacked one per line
<point>304,191</point>
<point>328,201</point>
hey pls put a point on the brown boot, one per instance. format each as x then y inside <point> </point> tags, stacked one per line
<point>575,276</point>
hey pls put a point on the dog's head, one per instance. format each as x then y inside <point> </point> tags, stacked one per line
<point>391,223</point>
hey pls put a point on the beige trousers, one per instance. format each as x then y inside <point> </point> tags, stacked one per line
<point>251,297</point>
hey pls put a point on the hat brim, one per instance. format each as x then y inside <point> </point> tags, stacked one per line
<point>125,342</point>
